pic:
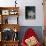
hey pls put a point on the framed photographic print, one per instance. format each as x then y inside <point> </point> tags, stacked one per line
<point>5,12</point>
<point>30,12</point>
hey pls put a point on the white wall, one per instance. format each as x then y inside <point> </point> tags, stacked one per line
<point>22,3</point>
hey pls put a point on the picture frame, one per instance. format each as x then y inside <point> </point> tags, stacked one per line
<point>30,12</point>
<point>5,12</point>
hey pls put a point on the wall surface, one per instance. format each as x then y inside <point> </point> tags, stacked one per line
<point>22,3</point>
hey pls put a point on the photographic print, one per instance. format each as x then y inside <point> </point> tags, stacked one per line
<point>30,12</point>
<point>5,12</point>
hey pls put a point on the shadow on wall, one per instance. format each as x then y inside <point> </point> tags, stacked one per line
<point>37,29</point>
